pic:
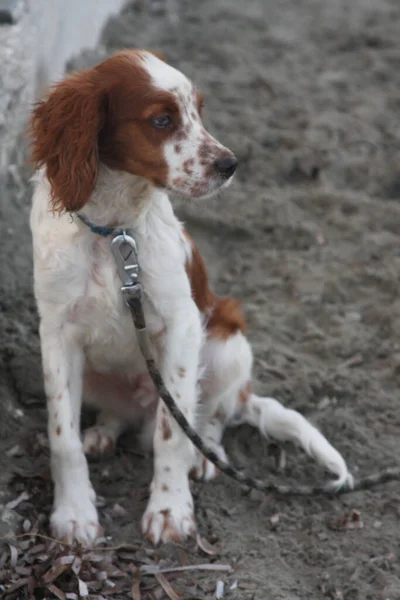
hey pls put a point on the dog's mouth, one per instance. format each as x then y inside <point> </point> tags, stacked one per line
<point>199,189</point>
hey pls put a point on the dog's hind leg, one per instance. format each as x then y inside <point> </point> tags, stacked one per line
<point>227,400</point>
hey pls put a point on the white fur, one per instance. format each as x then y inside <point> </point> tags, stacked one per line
<point>163,76</point>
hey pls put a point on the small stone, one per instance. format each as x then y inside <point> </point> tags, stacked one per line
<point>119,510</point>
<point>324,403</point>
<point>26,526</point>
<point>353,316</point>
<point>15,451</point>
<point>275,520</point>
<point>377,524</point>
<point>100,501</point>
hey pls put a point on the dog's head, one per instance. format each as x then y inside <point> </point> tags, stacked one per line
<point>133,113</point>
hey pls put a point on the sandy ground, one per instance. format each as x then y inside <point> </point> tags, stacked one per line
<point>306,92</point>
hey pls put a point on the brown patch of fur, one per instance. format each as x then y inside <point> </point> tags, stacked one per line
<point>64,128</point>
<point>196,271</point>
<point>226,317</point>
<point>58,430</point>
<point>182,372</point>
<point>164,487</point>
<point>166,427</point>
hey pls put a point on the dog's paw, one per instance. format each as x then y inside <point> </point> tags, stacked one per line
<point>169,516</point>
<point>99,440</point>
<point>76,521</point>
<point>206,470</point>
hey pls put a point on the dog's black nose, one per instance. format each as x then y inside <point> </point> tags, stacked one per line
<point>226,166</point>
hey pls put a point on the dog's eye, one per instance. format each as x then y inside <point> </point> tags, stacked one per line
<point>162,122</point>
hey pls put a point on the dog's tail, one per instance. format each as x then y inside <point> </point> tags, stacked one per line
<point>285,425</point>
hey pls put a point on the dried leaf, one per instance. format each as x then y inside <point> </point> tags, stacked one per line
<point>56,591</point>
<point>119,510</point>
<point>349,520</point>
<point>14,503</point>
<point>15,451</point>
<point>53,573</point>
<point>94,558</point>
<point>36,549</point>
<point>219,592</point>
<point>127,556</point>
<point>26,525</point>
<point>155,569</point>
<point>76,565</point>
<point>166,586</point>
<point>248,585</point>
<point>206,546</point>
<point>234,585</point>
<point>83,589</point>
<point>16,586</point>
<point>13,556</point>
<point>135,592</point>
<point>23,570</point>
<point>65,560</point>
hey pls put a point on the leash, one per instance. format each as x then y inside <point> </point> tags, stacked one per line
<point>125,254</point>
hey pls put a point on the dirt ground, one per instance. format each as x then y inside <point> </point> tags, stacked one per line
<point>307,93</point>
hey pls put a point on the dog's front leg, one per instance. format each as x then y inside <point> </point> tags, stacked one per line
<point>169,515</point>
<point>74,516</point>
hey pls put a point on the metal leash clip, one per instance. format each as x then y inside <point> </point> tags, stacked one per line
<point>124,249</point>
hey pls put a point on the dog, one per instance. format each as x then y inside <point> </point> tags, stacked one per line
<point>112,142</point>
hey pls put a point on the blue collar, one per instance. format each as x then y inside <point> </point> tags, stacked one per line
<point>103,231</point>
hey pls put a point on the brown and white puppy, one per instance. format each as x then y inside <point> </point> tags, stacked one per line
<point>113,141</point>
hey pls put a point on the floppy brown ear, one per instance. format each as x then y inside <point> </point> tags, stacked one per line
<point>65,129</point>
